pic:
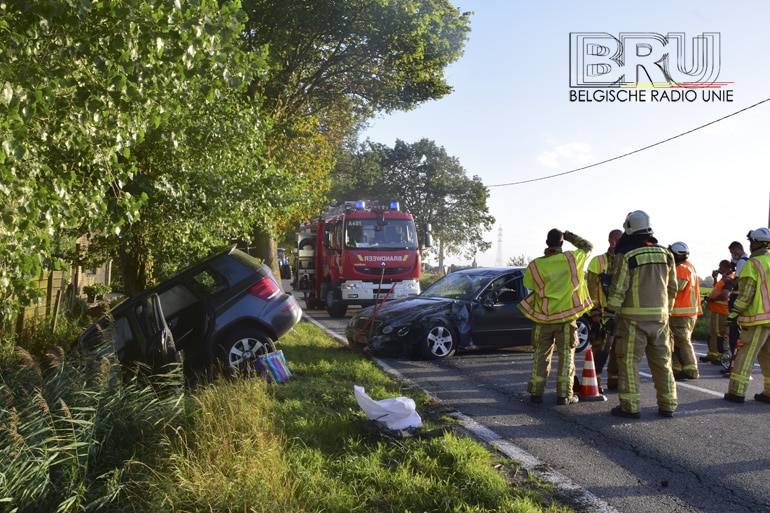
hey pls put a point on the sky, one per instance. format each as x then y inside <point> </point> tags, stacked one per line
<point>511,122</point>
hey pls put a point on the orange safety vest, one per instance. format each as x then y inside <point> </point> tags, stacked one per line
<point>559,292</point>
<point>720,307</point>
<point>687,300</point>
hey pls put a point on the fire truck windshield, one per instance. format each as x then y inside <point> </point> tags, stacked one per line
<point>371,233</point>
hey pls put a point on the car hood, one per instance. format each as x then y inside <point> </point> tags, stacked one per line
<point>409,308</point>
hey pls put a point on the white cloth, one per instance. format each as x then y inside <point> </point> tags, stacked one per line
<point>395,413</point>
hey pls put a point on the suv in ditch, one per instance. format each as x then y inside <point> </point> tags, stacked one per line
<point>224,311</point>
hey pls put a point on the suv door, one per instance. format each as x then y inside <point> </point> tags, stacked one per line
<point>159,349</point>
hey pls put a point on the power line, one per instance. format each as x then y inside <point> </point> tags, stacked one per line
<point>634,151</point>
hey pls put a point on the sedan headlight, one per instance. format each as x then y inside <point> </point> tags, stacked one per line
<point>389,328</point>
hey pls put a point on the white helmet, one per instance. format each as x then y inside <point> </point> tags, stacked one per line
<point>760,235</point>
<point>637,222</point>
<point>680,248</point>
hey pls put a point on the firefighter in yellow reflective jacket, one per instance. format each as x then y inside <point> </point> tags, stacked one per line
<point>684,314</point>
<point>598,279</point>
<point>559,296</point>
<point>752,312</point>
<point>641,297</point>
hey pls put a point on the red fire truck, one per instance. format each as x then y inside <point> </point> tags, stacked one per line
<point>357,254</point>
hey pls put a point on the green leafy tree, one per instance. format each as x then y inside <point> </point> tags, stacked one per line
<point>333,65</point>
<point>429,183</point>
<point>112,113</point>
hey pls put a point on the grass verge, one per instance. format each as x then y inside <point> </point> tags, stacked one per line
<point>243,446</point>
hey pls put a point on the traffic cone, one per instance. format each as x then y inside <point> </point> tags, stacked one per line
<point>589,386</point>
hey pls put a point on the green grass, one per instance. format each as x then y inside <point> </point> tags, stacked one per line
<point>76,436</point>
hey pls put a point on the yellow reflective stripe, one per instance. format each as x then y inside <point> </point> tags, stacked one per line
<point>598,264</point>
<point>752,316</point>
<point>649,257</point>
<point>554,317</point>
<point>575,279</point>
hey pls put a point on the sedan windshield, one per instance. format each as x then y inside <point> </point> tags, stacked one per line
<point>457,286</point>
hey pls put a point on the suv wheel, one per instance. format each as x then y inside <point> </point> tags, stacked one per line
<point>239,351</point>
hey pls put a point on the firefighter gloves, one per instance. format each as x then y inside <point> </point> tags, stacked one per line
<point>608,325</point>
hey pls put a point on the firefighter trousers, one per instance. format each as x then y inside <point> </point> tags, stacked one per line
<point>718,333</point>
<point>682,352</point>
<point>633,340</point>
<point>600,346</point>
<point>545,338</point>
<point>756,345</point>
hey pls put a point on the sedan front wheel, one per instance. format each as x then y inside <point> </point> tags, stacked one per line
<point>438,342</point>
<point>583,333</point>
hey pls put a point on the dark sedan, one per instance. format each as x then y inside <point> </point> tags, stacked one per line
<point>472,308</point>
<point>226,310</point>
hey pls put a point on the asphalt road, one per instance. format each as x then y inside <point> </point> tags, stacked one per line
<point>712,456</point>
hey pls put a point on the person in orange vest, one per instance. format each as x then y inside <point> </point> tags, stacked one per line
<point>559,297</point>
<point>752,311</point>
<point>717,304</point>
<point>598,278</point>
<point>686,310</point>
<point>641,297</point>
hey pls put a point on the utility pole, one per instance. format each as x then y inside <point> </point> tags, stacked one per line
<point>499,258</point>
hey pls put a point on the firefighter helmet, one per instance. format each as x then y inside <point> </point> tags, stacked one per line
<point>760,235</point>
<point>637,222</point>
<point>680,249</point>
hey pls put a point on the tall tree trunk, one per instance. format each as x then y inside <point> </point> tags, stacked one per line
<point>135,265</point>
<point>266,248</point>
<point>441,256</point>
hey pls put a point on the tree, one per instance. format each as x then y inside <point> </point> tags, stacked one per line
<point>332,65</point>
<point>92,97</point>
<point>519,261</point>
<point>429,183</point>
<point>143,122</point>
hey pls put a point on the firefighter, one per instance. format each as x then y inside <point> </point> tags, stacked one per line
<point>598,280</point>
<point>559,297</point>
<point>738,257</point>
<point>641,298</point>
<point>752,311</point>
<point>717,303</point>
<point>684,314</point>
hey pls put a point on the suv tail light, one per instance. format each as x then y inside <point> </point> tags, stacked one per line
<point>265,289</point>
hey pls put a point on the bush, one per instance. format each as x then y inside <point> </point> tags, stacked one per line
<point>97,290</point>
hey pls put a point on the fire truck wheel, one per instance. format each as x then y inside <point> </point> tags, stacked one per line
<point>237,351</point>
<point>438,342</point>
<point>334,305</point>
<point>337,309</point>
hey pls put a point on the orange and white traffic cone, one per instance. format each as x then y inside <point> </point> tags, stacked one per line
<point>589,385</point>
